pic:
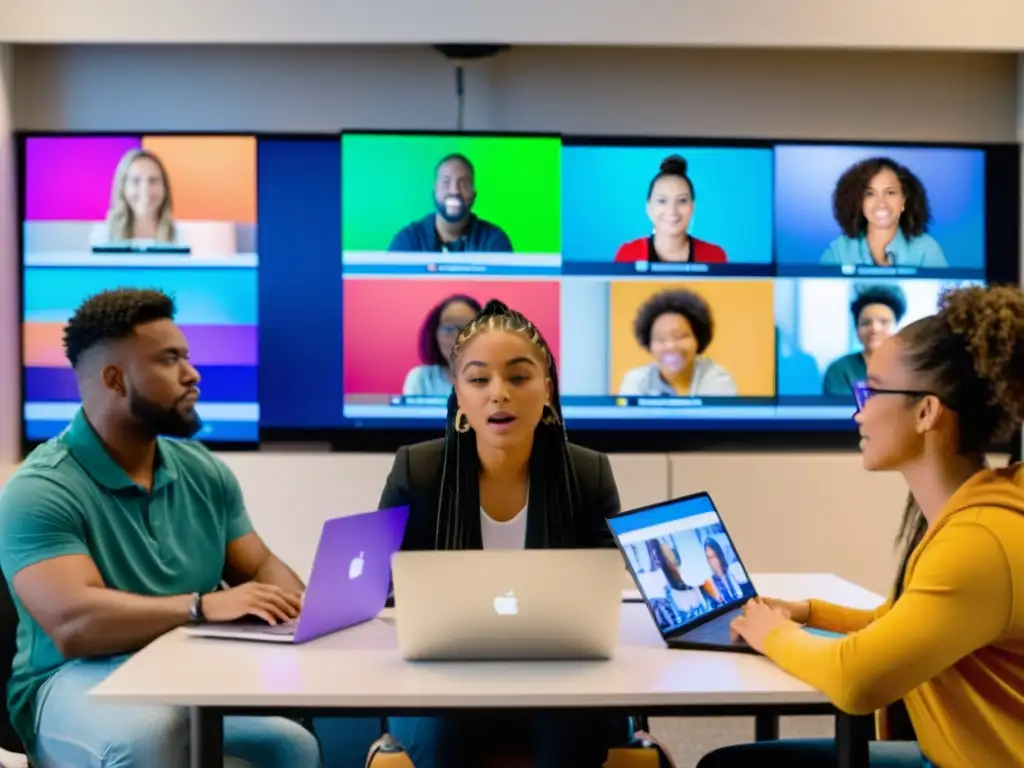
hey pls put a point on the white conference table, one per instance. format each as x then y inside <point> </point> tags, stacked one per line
<point>358,672</point>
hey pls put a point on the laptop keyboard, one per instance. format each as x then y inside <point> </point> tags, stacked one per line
<point>287,628</point>
<point>715,631</point>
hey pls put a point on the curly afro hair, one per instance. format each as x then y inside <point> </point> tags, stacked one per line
<point>972,355</point>
<point>690,305</point>
<point>113,315</point>
<point>848,197</point>
<point>889,296</point>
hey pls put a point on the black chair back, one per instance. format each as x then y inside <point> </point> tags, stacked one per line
<point>9,740</point>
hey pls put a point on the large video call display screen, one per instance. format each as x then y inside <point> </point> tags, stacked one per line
<point>678,285</point>
<point>682,285</point>
<point>175,213</point>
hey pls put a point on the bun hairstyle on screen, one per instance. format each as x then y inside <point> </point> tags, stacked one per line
<point>971,355</point>
<point>669,207</point>
<point>122,215</point>
<point>890,296</point>
<point>848,198</point>
<point>552,475</point>
<point>673,165</point>
<point>683,302</point>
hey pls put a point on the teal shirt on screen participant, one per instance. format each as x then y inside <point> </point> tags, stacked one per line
<point>69,497</point>
<point>843,373</point>
<point>922,251</point>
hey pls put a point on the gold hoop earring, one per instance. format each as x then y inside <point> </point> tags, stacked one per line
<point>461,422</point>
<point>550,417</point>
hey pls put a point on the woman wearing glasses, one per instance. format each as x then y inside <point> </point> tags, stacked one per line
<point>942,661</point>
<point>440,328</point>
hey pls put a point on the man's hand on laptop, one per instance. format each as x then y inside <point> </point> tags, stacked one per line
<point>265,601</point>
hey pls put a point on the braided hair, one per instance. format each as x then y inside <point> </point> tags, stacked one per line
<point>552,476</point>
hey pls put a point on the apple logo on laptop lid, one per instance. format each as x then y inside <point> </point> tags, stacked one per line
<point>507,604</point>
<point>355,568</point>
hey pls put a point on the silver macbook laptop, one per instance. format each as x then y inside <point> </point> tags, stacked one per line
<point>507,604</point>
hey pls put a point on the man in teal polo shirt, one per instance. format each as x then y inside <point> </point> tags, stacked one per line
<point>111,535</point>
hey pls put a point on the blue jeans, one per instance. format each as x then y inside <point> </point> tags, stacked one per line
<point>345,741</point>
<point>811,753</point>
<point>554,741</point>
<point>72,730</point>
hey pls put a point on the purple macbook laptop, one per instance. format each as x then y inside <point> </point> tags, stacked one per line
<point>348,585</point>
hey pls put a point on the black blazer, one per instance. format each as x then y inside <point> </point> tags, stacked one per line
<point>415,480</point>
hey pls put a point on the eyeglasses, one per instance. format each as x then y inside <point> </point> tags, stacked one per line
<point>862,392</point>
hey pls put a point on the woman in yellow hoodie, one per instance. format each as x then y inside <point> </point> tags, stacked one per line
<point>947,648</point>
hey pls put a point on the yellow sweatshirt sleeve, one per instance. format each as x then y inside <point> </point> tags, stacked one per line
<point>839,618</point>
<point>959,599</point>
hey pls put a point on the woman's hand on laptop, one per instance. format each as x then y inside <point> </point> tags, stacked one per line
<point>757,621</point>
<point>265,601</point>
<point>800,612</point>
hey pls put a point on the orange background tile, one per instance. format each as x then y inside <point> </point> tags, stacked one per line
<point>212,178</point>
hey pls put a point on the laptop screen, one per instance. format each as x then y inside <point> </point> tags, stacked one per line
<point>682,559</point>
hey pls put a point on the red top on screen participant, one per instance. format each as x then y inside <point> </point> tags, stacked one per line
<point>670,203</point>
<point>641,249</point>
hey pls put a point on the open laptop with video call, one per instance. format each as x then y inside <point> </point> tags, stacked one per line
<point>348,584</point>
<point>687,570</point>
<point>507,604</point>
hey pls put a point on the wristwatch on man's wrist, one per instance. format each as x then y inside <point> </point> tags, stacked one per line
<point>195,610</point>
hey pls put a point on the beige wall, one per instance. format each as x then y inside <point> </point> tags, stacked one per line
<point>290,495</point>
<point>10,378</point>
<point>926,24</point>
<point>784,94</point>
<point>787,511</point>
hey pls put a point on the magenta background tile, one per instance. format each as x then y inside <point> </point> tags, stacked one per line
<point>69,178</point>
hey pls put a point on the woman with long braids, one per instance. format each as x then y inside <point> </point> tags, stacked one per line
<point>504,477</point>
<point>942,661</point>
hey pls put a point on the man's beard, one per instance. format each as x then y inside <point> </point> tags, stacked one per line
<point>461,209</point>
<point>158,420</point>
